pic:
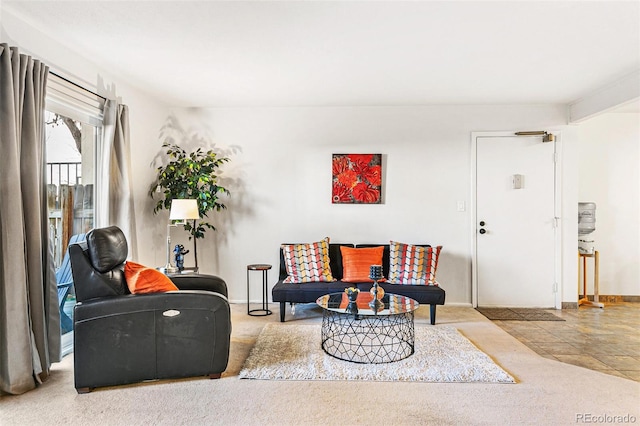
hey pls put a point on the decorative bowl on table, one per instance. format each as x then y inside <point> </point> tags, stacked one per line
<point>352,293</point>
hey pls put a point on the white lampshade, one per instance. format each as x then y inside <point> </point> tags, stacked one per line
<point>184,209</point>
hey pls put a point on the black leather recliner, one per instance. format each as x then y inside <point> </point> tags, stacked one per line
<point>122,338</point>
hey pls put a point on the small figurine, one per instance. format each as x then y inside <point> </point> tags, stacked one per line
<point>179,253</point>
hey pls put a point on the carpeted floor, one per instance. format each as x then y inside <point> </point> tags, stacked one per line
<point>441,354</point>
<point>547,392</point>
<point>518,314</point>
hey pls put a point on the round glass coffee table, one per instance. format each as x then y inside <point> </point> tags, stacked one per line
<point>353,331</point>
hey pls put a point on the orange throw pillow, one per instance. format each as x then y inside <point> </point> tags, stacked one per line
<point>141,279</point>
<point>356,263</point>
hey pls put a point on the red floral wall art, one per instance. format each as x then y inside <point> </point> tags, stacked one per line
<point>357,179</point>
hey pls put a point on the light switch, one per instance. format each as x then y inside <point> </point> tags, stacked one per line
<point>461,206</point>
<point>518,181</point>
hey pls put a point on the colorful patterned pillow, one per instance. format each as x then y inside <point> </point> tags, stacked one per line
<point>307,263</point>
<point>357,261</point>
<point>410,264</point>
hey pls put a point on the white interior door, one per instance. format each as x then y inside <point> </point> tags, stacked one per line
<point>515,226</point>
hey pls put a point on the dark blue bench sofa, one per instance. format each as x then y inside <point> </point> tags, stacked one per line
<point>309,292</point>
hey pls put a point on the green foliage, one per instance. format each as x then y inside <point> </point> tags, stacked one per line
<point>190,175</point>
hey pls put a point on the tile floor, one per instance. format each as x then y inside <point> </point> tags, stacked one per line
<point>605,340</point>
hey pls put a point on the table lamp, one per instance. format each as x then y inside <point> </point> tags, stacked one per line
<point>181,210</point>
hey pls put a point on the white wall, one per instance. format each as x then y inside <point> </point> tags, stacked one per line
<point>280,172</point>
<point>609,160</point>
<point>280,177</point>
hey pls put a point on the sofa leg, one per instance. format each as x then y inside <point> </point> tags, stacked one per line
<point>215,375</point>
<point>433,314</point>
<point>283,309</point>
<point>83,390</point>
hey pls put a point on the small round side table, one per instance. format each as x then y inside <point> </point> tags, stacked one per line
<point>265,297</point>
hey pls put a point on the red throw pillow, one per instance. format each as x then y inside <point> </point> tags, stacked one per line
<point>357,261</point>
<point>141,279</point>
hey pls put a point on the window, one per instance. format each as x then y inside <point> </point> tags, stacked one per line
<point>70,151</point>
<point>73,134</point>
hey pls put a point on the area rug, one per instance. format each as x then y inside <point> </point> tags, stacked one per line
<point>442,354</point>
<point>518,314</point>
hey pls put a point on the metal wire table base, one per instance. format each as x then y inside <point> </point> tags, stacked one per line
<point>368,339</point>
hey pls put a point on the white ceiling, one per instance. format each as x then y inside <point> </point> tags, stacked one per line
<point>211,53</point>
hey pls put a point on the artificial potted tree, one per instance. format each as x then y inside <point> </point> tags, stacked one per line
<point>190,175</point>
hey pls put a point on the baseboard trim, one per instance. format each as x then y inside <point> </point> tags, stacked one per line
<point>603,298</point>
<point>607,298</point>
<point>569,305</point>
<point>565,305</point>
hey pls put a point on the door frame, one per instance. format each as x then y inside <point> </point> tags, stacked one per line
<point>557,209</point>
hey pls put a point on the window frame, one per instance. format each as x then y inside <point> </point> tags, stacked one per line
<point>69,99</point>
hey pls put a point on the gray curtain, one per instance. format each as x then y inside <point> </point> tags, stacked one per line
<point>29,317</point>
<point>116,188</point>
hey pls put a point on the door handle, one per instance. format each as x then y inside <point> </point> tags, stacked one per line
<point>482,231</point>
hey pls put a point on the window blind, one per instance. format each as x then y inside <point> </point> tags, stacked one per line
<point>70,99</point>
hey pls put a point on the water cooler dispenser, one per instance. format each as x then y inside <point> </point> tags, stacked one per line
<point>586,226</point>
<point>586,249</point>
